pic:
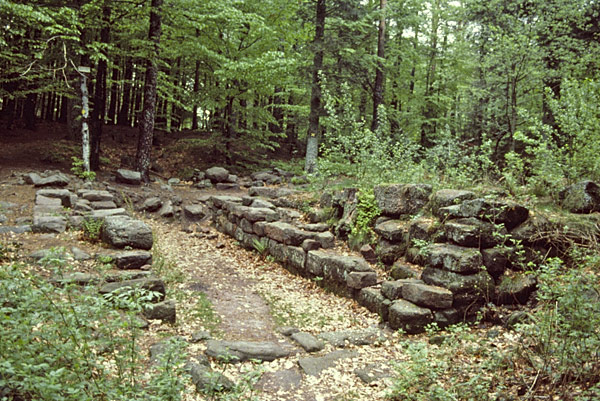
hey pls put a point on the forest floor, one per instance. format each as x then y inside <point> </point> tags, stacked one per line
<point>232,293</point>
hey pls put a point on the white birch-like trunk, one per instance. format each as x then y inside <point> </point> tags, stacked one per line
<point>85,131</point>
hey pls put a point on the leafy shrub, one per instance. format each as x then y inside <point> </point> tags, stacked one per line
<point>91,229</point>
<point>77,168</point>
<point>362,227</point>
<point>562,340</point>
<point>67,343</point>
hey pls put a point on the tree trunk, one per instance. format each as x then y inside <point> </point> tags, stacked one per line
<point>314,135</point>
<point>100,92</point>
<point>114,96</point>
<point>147,118</point>
<point>196,90</point>
<point>123,118</point>
<point>379,73</point>
<point>29,111</point>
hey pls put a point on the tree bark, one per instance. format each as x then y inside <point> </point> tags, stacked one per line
<point>379,73</point>
<point>114,95</point>
<point>100,92</point>
<point>123,118</point>
<point>314,135</point>
<point>148,113</point>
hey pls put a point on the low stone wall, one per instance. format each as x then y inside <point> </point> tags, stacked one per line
<point>305,249</point>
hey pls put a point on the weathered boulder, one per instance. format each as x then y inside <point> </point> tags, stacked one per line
<point>217,174</point>
<point>392,230</point>
<point>152,204</point>
<point>261,203</point>
<point>129,177</point>
<point>473,232</point>
<point>446,317</point>
<point>372,299</point>
<point>582,197</point>
<point>392,290</point>
<point>271,192</point>
<point>165,311</point>
<point>427,295</point>
<point>358,280</point>
<point>166,210</point>
<point>331,265</point>
<point>400,199</point>
<point>240,351</point>
<point>219,201</point>
<point>496,211</point>
<point>388,252</point>
<point>102,214</point>
<point>49,224</point>
<point>122,231</point>
<point>448,197</point>
<point>95,195</point>
<point>496,260</point>
<point>409,317</point>
<point>131,259</point>
<point>66,197</point>
<point>325,239</point>
<point>286,233</point>
<point>454,258</point>
<point>226,186</point>
<point>102,205</point>
<point>266,177</point>
<point>515,289</point>
<point>54,180</point>
<point>194,212</point>
<point>479,284</point>
<point>401,270</point>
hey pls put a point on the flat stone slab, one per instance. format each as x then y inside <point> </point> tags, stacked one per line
<point>271,192</point>
<point>95,195</point>
<point>128,177</point>
<point>472,232</point>
<point>240,351</point>
<point>194,212</point>
<point>131,259</point>
<point>64,195</point>
<point>307,341</point>
<point>374,372</point>
<point>152,204</point>
<point>286,233</point>
<point>165,311</point>
<point>55,180</point>
<point>480,283</point>
<point>205,379</point>
<point>427,295</point>
<point>341,339</point>
<point>100,205</point>
<point>49,224</point>
<point>392,230</point>
<point>104,213</point>
<point>401,199</point>
<point>15,229</point>
<point>315,365</point>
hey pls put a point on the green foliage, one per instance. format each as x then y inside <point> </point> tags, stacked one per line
<point>367,211</point>
<point>91,228</point>
<point>431,373</point>
<point>68,343</point>
<point>79,171</point>
<point>562,340</point>
<point>260,245</point>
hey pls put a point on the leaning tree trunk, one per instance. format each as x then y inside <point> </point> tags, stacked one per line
<point>313,135</point>
<point>379,73</point>
<point>147,118</point>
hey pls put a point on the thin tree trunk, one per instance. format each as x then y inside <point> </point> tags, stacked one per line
<point>114,96</point>
<point>148,113</point>
<point>100,92</point>
<point>123,118</point>
<point>379,73</point>
<point>196,90</point>
<point>29,111</point>
<point>314,134</point>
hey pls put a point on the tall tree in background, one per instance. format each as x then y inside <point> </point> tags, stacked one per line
<point>379,73</point>
<point>314,134</point>
<point>146,125</point>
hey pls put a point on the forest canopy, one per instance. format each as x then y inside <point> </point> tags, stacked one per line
<point>503,88</point>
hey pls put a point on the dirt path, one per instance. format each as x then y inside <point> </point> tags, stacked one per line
<point>235,294</point>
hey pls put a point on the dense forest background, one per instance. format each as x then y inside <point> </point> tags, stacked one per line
<point>411,89</point>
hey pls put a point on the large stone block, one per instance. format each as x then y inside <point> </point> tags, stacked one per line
<point>333,266</point>
<point>286,233</point>
<point>122,231</point>
<point>128,177</point>
<point>402,199</point>
<point>358,280</point>
<point>392,230</point>
<point>454,258</point>
<point>496,211</point>
<point>409,317</point>
<point>473,232</point>
<point>480,284</point>
<point>427,295</point>
<point>582,197</point>
<point>372,299</point>
<point>448,197</point>
<point>392,290</point>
